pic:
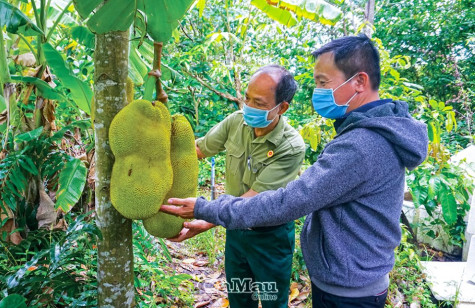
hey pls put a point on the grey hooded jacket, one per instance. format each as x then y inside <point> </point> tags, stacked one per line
<point>353,196</point>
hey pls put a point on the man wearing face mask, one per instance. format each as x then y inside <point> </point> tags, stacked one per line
<point>352,194</point>
<point>263,152</point>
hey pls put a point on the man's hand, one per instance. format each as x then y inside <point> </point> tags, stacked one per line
<point>184,211</point>
<point>191,229</point>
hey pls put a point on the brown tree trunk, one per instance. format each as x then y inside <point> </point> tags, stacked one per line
<point>369,18</point>
<point>115,265</point>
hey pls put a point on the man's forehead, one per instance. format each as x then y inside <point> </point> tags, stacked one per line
<point>325,66</point>
<point>266,75</point>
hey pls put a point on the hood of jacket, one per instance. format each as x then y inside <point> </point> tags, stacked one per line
<point>392,121</point>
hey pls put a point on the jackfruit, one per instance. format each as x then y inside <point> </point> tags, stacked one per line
<point>142,174</point>
<point>129,91</point>
<point>185,177</point>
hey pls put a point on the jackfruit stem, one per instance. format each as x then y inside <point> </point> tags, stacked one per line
<point>161,95</point>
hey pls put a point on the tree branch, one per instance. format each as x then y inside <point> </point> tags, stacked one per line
<point>222,94</point>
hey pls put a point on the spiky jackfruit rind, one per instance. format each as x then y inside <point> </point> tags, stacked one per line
<point>185,177</point>
<point>163,225</point>
<point>142,174</point>
<point>129,90</point>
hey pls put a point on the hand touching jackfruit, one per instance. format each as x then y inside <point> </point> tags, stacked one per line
<point>185,177</point>
<point>142,175</point>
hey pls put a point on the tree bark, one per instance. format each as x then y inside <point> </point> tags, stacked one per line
<point>4,72</point>
<point>369,18</point>
<point>115,266</point>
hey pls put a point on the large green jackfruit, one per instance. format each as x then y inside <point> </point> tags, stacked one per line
<point>185,177</point>
<point>142,174</point>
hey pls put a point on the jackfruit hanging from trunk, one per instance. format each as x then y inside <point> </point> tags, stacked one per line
<point>185,177</point>
<point>142,173</point>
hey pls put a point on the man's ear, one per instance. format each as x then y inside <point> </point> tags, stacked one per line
<point>283,108</point>
<point>362,82</point>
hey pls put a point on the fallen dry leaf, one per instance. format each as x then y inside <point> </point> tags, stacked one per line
<point>220,303</point>
<point>294,292</point>
<point>189,261</point>
<point>201,304</point>
<point>200,263</point>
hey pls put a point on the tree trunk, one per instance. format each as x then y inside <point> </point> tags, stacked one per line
<point>4,72</point>
<point>115,266</point>
<point>369,18</point>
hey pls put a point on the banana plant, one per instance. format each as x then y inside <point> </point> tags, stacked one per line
<point>286,12</point>
<point>23,176</point>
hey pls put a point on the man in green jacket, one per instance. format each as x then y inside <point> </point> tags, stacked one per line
<point>263,152</point>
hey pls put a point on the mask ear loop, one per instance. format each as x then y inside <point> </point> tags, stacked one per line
<point>348,102</point>
<point>345,82</point>
<point>268,111</point>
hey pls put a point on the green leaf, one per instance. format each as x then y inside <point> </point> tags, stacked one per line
<point>201,6</point>
<point>28,165</point>
<point>137,67</point>
<point>71,184</point>
<point>31,135</point>
<point>163,17</point>
<point>316,10</point>
<point>81,93</point>
<point>3,105</point>
<point>449,206</point>
<point>83,124</point>
<point>149,87</point>
<point>106,18</point>
<point>83,36</point>
<point>280,15</point>
<point>16,21</point>
<point>13,301</point>
<point>45,89</point>
<point>18,179</point>
<point>85,7</point>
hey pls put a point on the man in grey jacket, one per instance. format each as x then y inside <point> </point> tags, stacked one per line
<point>352,194</point>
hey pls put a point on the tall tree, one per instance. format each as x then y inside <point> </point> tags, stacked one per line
<point>369,18</point>
<point>115,265</point>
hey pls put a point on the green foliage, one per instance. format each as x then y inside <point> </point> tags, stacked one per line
<point>39,158</point>
<point>151,277</point>
<point>59,269</point>
<point>204,175</point>
<point>316,134</point>
<point>71,184</point>
<point>16,21</point>
<point>81,92</point>
<point>298,264</point>
<point>406,278</point>
<point>440,47</point>
<point>52,268</point>
<point>319,11</point>
<point>13,301</point>
<point>157,18</point>
<point>443,189</point>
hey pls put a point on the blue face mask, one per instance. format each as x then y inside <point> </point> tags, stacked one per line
<point>257,117</point>
<point>324,102</point>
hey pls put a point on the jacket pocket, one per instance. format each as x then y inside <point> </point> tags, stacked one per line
<point>322,250</point>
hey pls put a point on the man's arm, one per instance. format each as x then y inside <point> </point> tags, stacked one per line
<point>195,227</point>
<point>335,178</point>
<point>198,151</point>
<point>213,142</point>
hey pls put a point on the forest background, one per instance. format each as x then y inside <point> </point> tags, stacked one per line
<point>47,166</point>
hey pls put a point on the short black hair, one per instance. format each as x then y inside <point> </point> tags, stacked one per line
<point>353,54</point>
<point>286,86</point>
